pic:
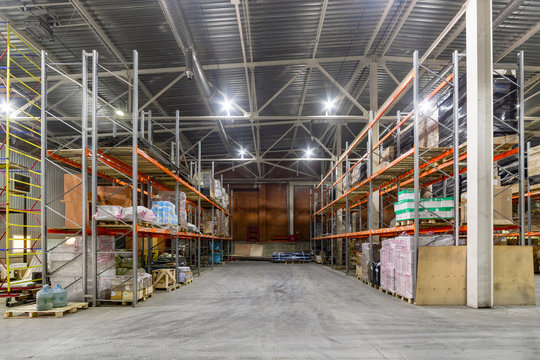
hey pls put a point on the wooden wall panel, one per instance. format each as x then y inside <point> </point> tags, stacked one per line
<point>277,222</point>
<point>301,210</point>
<point>264,206</point>
<point>245,211</point>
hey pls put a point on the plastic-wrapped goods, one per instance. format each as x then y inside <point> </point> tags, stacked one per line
<point>165,213</point>
<point>504,108</point>
<point>183,218</point>
<point>406,194</point>
<point>59,296</point>
<point>65,266</point>
<point>171,197</point>
<point>143,214</point>
<point>44,299</point>
<point>108,213</point>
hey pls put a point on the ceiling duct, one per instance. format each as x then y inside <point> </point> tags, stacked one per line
<point>180,28</point>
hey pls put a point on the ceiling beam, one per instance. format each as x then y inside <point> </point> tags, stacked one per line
<point>518,42</point>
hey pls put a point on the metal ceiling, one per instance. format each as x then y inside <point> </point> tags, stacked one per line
<point>280,37</point>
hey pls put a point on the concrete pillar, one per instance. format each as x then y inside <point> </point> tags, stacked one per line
<point>480,154</point>
<point>374,105</point>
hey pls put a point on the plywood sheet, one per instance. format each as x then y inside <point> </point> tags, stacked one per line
<point>242,249</point>
<point>442,275</point>
<point>114,195</point>
<point>301,210</point>
<point>513,275</point>
<point>256,250</point>
<point>247,250</point>
<point>73,200</point>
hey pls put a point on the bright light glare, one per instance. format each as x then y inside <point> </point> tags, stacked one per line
<point>309,152</point>
<point>119,112</point>
<point>5,108</point>
<point>226,105</point>
<point>242,152</point>
<point>329,104</point>
<point>426,107</point>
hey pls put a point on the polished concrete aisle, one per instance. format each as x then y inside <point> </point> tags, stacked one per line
<point>259,310</point>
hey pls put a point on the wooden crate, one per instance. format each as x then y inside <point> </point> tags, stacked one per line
<point>29,311</point>
<point>164,279</point>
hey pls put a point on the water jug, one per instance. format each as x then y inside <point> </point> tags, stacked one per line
<point>44,299</point>
<point>59,296</point>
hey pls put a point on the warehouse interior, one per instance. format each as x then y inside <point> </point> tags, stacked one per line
<point>270,179</point>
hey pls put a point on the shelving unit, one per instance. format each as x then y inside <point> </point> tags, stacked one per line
<point>131,163</point>
<point>425,167</point>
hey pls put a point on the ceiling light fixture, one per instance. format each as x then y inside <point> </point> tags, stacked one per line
<point>242,152</point>
<point>119,112</point>
<point>329,104</point>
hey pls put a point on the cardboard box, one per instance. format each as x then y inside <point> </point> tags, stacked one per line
<point>502,206</point>
<point>534,161</point>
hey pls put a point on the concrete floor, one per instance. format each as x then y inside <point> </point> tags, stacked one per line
<point>259,310</point>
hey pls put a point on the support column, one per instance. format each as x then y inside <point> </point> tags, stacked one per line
<point>290,208</point>
<point>479,154</point>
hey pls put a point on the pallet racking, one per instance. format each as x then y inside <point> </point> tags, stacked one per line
<point>128,160</point>
<point>421,167</point>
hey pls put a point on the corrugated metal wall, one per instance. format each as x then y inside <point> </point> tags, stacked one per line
<point>55,187</point>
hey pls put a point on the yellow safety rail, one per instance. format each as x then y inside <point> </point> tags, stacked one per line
<point>20,161</point>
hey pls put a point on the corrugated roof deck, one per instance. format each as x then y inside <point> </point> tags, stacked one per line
<point>279,30</point>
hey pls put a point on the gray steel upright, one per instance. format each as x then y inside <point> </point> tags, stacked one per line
<point>521,145</point>
<point>398,143</point>
<point>370,193</point>
<point>199,212</point>
<point>347,212</point>
<point>149,135</point>
<point>310,220</point>
<point>416,131</point>
<point>43,168</point>
<point>213,214</point>
<point>176,189</point>
<point>332,197</point>
<point>455,83</point>
<point>84,172</point>
<point>135,133</point>
<point>94,175</point>
<point>529,210</point>
<point>231,207</point>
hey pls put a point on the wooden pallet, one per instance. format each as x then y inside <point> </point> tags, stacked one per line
<point>436,222</point>
<point>118,223</point>
<point>401,297</point>
<point>404,223</point>
<point>29,311</point>
<point>187,282</point>
<point>169,288</point>
<point>386,291</point>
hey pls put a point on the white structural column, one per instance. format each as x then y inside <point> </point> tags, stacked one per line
<point>480,154</point>
<point>290,207</point>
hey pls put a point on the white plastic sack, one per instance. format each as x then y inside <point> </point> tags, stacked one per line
<point>143,214</point>
<point>108,213</point>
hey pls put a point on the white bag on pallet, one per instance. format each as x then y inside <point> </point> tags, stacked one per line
<point>143,214</point>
